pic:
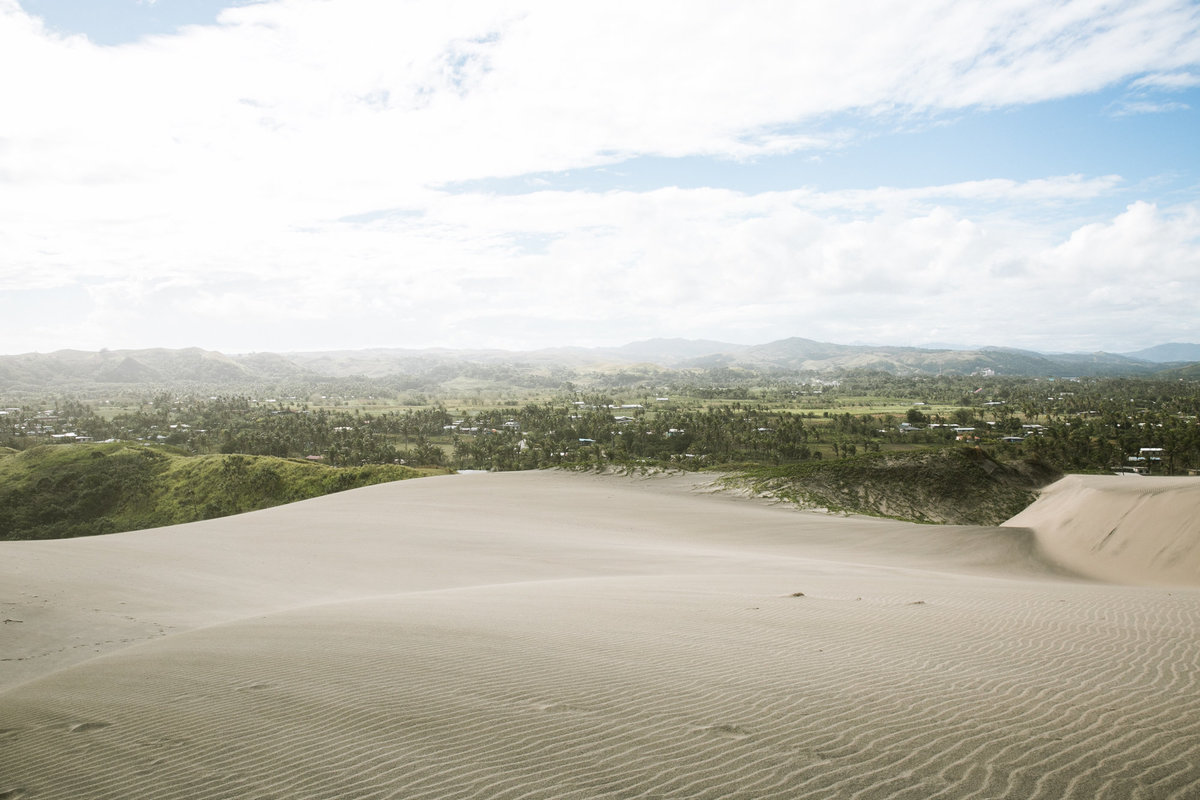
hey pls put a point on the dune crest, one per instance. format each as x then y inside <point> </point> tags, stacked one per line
<point>1125,529</point>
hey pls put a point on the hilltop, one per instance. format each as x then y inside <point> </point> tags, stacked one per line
<point>433,369</point>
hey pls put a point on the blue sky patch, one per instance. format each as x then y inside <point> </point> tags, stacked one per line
<point>116,22</point>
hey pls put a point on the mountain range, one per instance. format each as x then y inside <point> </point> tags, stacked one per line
<point>430,367</point>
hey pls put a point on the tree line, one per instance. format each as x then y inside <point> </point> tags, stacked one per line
<point>1074,425</point>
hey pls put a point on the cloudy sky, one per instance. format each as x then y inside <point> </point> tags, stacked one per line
<point>324,174</point>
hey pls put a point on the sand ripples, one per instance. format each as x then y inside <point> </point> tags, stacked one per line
<point>642,687</point>
<point>780,678</point>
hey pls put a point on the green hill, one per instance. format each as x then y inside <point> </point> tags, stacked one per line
<point>59,491</point>
<point>960,486</point>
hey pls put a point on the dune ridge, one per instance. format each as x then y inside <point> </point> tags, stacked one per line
<point>554,635</point>
<point>1129,529</point>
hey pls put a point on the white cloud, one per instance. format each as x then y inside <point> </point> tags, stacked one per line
<point>359,94</point>
<point>197,179</point>
<point>1140,247</point>
<point>1167,81</point>
<point>532,269</point>
<point>1130,107</point>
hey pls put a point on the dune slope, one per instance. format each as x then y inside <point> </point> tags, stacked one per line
<point>546,635</point>
<point>1126,529</point>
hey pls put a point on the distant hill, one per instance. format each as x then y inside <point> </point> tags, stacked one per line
<point>432,369</point>
<point>121,366</point>
<point>671,352</point>
<point>1175,352</point>
<point>806,355</point>
<point>794,355</point>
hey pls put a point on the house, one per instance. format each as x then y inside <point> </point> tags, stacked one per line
<point>1151,454</point>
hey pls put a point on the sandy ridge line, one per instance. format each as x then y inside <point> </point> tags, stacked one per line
<point>547,524</point>
<point>263,615</point>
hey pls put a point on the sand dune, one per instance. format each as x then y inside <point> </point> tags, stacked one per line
<point>1130,529</point>
<point>552,635</point>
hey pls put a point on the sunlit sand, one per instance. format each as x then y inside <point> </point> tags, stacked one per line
<point>561,635</point>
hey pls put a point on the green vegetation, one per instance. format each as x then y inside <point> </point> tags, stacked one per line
<point>842,438</point>
<point>1094,424</point>
<point>960,485</point>
<point>50,491</point>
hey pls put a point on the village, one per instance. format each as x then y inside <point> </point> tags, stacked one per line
<point>1081,428</point>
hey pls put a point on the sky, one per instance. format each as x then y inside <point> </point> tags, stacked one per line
<point>299,175</point>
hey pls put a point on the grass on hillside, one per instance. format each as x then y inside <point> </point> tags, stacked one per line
<point>960,485</point>
<point>59,491</point>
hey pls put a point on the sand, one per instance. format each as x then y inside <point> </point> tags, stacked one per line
<point>559,635</point>
<point>1130,529</point>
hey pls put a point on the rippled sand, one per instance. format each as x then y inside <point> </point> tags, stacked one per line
<point>556,635</point>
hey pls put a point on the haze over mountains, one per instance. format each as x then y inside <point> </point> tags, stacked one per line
<point>793,356</point>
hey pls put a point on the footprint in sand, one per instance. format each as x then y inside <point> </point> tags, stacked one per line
<point>726,731</point>
<point>256,687</point>
<point>558,708</point>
